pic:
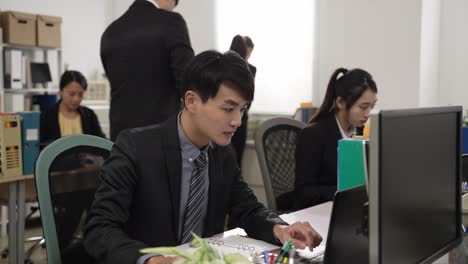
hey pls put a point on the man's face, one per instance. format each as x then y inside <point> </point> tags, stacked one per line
<point>218,118</point>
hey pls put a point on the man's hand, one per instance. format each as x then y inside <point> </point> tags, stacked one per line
<point>160,260</point>
<point>301,234</point>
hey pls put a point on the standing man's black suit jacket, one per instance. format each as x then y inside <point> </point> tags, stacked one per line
<point>143,53</point>
<point>137,203</point>
<point>316,163</point>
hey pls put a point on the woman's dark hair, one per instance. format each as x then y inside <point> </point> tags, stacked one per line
<point>209,69</point>
<point>248,42</point>
<point>238,46</point>
<point>350,86</point>
<point>73,76</point>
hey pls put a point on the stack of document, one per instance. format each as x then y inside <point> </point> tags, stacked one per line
<point>234,244</point>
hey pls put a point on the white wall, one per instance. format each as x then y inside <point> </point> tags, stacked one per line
<point>429,58</point>
<point>382,37</point>
<point>453,87</point>
<point>416,50</point>
<point>283,53</point>
<point>200,16</point>
<point>83,23</point>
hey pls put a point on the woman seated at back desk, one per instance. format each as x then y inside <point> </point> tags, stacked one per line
<point>68,116</point>
<point>347,105</point>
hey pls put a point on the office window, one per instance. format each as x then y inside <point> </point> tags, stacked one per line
<point>283,34</point>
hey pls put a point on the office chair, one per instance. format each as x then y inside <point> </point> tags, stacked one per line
<point>66,175</point>
<point>275,143</point>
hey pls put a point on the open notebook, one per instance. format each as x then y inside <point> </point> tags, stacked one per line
<point>234,244</point>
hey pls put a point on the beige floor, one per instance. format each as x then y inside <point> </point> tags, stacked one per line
<point>38,257</point>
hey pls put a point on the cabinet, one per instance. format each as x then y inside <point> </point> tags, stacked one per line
<point>97,97</point>
<point>14,65</point>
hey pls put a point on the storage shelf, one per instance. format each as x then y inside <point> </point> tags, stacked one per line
<point>32,91</point>
<point>24,47</point>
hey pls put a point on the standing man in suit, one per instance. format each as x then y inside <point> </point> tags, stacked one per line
<point>164,181</point>
<point>143,53</point>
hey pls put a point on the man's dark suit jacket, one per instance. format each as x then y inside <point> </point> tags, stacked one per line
<point>316,163</point>
<point>144,53</point>
<point>137,203</point>
<point>50,127</point>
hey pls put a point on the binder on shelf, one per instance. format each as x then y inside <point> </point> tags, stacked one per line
<point>13,69</point>
<point>14,103</point>
<point>352,163</point>
<point>30,139</point>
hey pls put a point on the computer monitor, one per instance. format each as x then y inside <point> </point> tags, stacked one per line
<point>415,184</point>
<point>465,167</point>
<point>40,73</point>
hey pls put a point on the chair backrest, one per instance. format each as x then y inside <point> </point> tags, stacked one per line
<point>66,176</point>
<point>275,143</point>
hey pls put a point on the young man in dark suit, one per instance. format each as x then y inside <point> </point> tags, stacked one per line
<point>143,53</point>
<point>164,181</point>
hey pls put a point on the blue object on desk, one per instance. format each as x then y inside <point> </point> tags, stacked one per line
<point>30,139</point>
<point>465,140</point>
<point>46,101</point>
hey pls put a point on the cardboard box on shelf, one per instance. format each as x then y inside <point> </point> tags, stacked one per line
<point>19,28</point>
<point>49,32</point>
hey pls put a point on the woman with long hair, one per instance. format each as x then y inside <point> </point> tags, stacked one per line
<point>350,97</point>
<point>242,45</point>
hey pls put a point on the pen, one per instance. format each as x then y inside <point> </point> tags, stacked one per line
<point>292,253</point>
<point>265,256</point>
<point>285,249</point>
<point>272,258</point>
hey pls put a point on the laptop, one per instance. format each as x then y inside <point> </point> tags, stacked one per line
<point>348,240</point>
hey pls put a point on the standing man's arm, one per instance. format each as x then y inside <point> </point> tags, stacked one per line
<point>178,44</point>
<point>105,237</point>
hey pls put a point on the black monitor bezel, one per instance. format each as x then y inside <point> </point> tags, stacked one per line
<point>374,192</point>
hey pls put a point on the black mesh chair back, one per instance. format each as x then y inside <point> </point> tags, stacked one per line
<point>275,143</point>
<point>72,180</point>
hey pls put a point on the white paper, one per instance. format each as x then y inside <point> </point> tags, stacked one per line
<point>32,134</point>
<point>234,244</point>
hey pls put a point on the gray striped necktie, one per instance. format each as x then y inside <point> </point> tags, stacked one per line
<point>196,202</point>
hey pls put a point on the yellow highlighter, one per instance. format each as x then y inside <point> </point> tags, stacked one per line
<point>366,132</point>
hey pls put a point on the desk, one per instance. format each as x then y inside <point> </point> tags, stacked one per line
<point>16,215</point>
<point>319,217</point>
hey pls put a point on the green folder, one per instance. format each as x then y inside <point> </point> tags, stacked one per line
<point>352,163</point>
